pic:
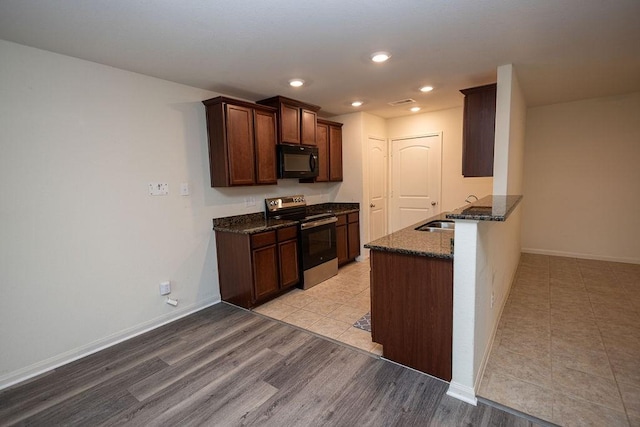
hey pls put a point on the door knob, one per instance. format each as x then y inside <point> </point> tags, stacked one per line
<point>434,203</point>
<point>372,205</point>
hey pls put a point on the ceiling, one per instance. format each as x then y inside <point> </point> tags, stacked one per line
<point>562,50</point>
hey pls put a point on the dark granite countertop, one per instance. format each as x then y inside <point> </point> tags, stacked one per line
<point>409,241</point>
<point>489,208</point>
<point>336,208</point>
<point>256,222</point>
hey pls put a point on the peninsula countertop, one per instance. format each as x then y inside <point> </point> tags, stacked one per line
<point>489,208</point>
<point>409,241</point>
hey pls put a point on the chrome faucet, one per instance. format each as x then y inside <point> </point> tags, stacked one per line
<point>470,196</point>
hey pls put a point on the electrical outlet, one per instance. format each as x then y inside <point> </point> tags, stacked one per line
<point>184,189</point>
<point>158,188</point>
<point>165,288</point>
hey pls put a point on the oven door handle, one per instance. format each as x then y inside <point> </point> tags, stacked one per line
<point>318,223</point>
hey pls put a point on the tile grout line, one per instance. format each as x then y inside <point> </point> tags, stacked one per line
<point>606,350</point>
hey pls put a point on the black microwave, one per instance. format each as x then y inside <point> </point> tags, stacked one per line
<point>297,161</point>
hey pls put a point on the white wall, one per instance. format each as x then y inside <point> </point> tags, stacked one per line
<point>485,263</point>
<point>487,253</point>
<point>83,247</point>
<point>455,187</point>
<point>511,114</point>
<point>582,179</point>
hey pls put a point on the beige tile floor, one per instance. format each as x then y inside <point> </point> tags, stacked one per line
<point>330,308</point>
<point>567,348</point>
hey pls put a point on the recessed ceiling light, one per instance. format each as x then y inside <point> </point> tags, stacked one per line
<point>296,82</point>
<point>415,109</point>
<point>356,103</point>
<point>380,56</point>
<point>426,88</point>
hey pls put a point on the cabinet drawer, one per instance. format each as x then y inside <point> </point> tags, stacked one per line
<point>342,220</point>
<point>354,217</point>
<point>263,239</point>
<point>288,233</point>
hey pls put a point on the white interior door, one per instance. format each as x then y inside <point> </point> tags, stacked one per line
<point>377,188</point>
<point>415,179</point>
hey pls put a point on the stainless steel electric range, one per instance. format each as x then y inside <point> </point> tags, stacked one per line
<point>316,237</point>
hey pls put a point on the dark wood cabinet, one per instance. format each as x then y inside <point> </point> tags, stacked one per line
<point>348,237</point>
<point>322,141</point>
<point>288,265</point>
<point>296,120</point>
<point>342,240</point>
<point>329,142</point>
<point>265,142</point>
<point>265,270</point>
<point>308,126</point>
<point>478,130</point>
<point>255,268</point>
<point>353,234</point>
<point>335,152</point>
<point>412,310</point>
<point>242,142</point>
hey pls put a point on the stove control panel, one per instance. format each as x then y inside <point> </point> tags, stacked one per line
<point>283,203</point>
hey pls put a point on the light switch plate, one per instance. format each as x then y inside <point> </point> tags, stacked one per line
<point>165,288</point>
<point>158,188</point>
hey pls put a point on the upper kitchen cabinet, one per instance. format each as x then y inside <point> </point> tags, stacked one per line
<point>335,152</point>
<point>478,131</point>
<point>242,142</point>
<point>329,143</point>
<point>297,120</point>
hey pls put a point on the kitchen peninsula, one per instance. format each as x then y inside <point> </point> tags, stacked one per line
<point>412,287</point>
<point>412,297</point>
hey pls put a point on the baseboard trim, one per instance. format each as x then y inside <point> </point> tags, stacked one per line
<point>47,365</point>
<point>462,392</point>
<point>580,255</point>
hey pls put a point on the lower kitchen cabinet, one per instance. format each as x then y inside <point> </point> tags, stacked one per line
<point>348,237</point>
<point>253,268</point>
<point>412,310</point>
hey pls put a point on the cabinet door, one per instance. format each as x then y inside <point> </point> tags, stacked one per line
<point>241,154</point>
<point>322,141</point>
<point>289,273</point>
<point>265,271</point>
<point>308,127</point>
<point>478,131</point>
<point>289,124</point>
<point>265,146</point>
<point>342,243</point>
<point>353,231</point>
<point>335,153</point>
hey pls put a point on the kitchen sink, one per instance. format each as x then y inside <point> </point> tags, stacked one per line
<point>438,225</point>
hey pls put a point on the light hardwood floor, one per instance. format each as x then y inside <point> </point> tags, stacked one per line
<point>225,366</point>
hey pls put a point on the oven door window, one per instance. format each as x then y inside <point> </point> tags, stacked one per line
<point>318,245</point>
